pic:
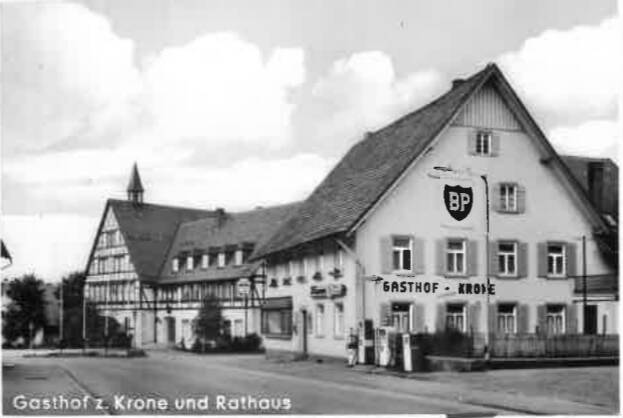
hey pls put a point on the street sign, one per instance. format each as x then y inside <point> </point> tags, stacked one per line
<point>244,287</point>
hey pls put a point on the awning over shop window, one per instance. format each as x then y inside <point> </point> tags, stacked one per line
<point>278,303</point>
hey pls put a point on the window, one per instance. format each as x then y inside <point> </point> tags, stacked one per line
<point>555,319</point>
<point>508,197</point>
<point>288,268</point>
<point>317,263</point>
<point>483,143</point>
<point>190,263</point>
<point>455,257</point>
<point>175,265</point>
<point>338,320</point>
<point>238,258</point>
<point>205,261</point>
<point>555,260</point>
<point>221,260</point>
<point>320,320</point>
<point>455,317</point>
<point>401,254</point>
<point>507,318</point>
<point>507,258</point>
<point>400,317</point>
<point>277,322</point>
<point>310,323</point>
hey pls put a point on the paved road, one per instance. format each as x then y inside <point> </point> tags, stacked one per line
<point>232,384</point>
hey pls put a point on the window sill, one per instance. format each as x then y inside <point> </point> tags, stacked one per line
<point>338,337</point>
<point>556,277</point>
<point>319,335</point>
<point>507,276</point>
<point>456,275</point>
<point>279,336</point>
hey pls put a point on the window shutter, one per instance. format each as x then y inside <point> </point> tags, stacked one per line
<point>523,318</point>
<point>441,257</point>
<point>440,320</point>
<point>496,197</point>
<point>541,324</point>
<point>417,318</point>
<point>522,259</point>
<point>571,252</point>
<point>493,258</point>
<point>542,259</point>
<point>472,258</point>
<point>384,319</point>
<point>493,318</point>
<point>418,256</point>
<point>386,255</point>
<point>473,316</point>
<point>521,199</point>
<point>471,142</point>
<point>495,144</point>
<point>571,327</point>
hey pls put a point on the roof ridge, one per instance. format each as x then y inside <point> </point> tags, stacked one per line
<point>158,205</point>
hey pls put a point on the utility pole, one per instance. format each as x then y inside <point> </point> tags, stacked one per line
<point>487,251</point>
<point>84,316</point>
<point>584,298</point>
<point>61,316</point>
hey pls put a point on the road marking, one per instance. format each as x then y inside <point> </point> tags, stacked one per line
<point>107,410</point>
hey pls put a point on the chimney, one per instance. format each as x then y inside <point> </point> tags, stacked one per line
<point>595,177</point>
<point>457,82</point>
<point>220,216</point>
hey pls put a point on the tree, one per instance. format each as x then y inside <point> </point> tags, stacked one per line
<point>209,321</point>
<point>73,294</point>
<point>26,309</point>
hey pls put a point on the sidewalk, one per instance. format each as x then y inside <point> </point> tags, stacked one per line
<point>553,391</point>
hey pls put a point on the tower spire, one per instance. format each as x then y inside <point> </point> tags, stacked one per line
<point>135,186</point>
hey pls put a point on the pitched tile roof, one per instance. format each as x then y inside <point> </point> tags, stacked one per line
<point>234,229</point>
<point>369,168</point>
<point>148,231</point>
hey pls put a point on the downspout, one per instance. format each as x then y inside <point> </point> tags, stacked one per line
<point>360,275</point>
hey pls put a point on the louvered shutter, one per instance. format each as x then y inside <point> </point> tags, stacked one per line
<point>542,259</point>
<point>441,256</point>
<point>571,326</point>
<point>522,259</point>
<point>418,256</point>
<point>493,258</point>
<point>386,255</point>
<point>495,144</point>
<point>417,318</point>
<point>523,319</point>
<point>385,314</point>
<point>541,311</point>
<point>493,318</point>
<point>440,320</point>
<point>571,259</point>
<point>473,317</point>
<point>472,258</point>
<point>521,198</point>
<point>496,197</point>
<point>471,142</point>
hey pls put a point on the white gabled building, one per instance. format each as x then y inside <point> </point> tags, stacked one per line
<point>379,218</point>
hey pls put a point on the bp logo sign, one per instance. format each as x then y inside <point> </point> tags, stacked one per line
<point>458,201</point>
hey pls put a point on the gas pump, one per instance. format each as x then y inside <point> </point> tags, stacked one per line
<point>406,352</point>
<point>365,351</point>
<point>383,351</point>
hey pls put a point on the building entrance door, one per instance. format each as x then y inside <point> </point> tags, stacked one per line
<point>170,330</point>
<point>590,319</point>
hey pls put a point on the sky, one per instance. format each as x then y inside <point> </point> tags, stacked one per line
<point>241,103</point>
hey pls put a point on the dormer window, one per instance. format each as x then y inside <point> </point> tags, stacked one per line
<point>483,143</point>
<point>175,265</point>
<point>190,263</point>
<point>238,258</point>
<point>204,261</point>
<point>221,260</point>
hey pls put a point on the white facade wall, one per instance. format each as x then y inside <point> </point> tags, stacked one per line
<point>328,343</point>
